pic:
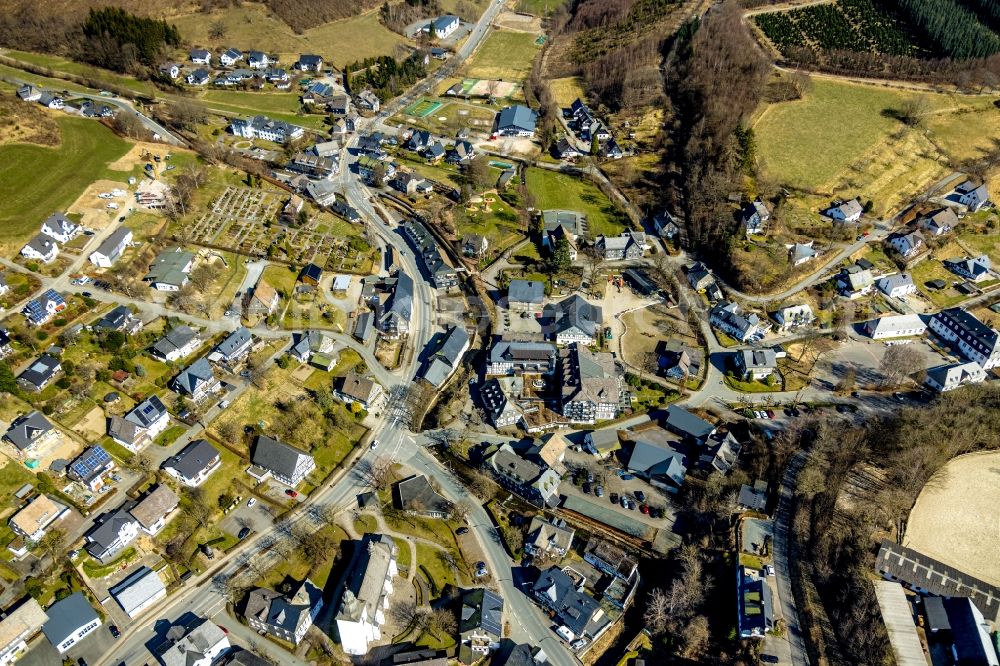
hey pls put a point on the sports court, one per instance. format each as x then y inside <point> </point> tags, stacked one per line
<point>422,108</point>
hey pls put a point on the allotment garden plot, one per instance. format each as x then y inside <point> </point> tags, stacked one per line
<point>244,220</point>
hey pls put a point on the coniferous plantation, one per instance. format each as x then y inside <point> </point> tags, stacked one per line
<point>385,75</point>
<point>120,41</point>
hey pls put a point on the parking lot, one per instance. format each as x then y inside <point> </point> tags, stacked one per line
<point>91,649</point>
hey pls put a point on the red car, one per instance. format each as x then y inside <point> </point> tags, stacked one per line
<point>291,493</point>
<point>645,509</point>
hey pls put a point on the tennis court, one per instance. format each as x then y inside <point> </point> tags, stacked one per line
<point>422,108</point>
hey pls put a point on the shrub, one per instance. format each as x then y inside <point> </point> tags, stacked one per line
<point>42,335</point>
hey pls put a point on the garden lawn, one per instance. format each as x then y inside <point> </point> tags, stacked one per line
<point>430,559</point>
<point>36,181</point>
<point>557,190</point>
<point>504,56</point>
<point>493,219</point>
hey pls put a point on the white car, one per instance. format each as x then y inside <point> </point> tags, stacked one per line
<point>374,444</point>
<point>251,502</point>
<point>769,569</point>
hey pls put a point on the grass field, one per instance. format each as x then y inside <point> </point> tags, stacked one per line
<point>265,102</point>
<point>800,147</point>
<point>422,108</point>
<point>556,190</point>
<point>505,56</point>
<point>954,518</point>
<point>493,219</point>
<point>566,90</point>
<point>81,69</point>
<point>539,7</point>
<point>36,182</point>
<point>456,115</point>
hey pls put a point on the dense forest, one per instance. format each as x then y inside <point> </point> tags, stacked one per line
<point>888,461</point>
<point>385,75</point>
<point>123,42</point>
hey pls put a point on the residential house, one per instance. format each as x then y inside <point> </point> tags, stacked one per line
<point>112,533</point>
<point>954,375</point>
<point>502,411</point>
<point>845,211</point>
<point>138,591</point>
<point>699,277</point>
<point>5,346</point>
<point>154,508</point>
<point>755,610</point>
<point>611,559</point>
<point>442,27</point>
<point>177,343</point>
<point>309,62</point>
<point>592,387</point>
<point>731,320</point>
<point>516,120</point>
<point>895,326</point>
<point>525,296</point>
<point>60,227</point>
<point>285,463</point>
<point>405,182</point>
<point>324,193</point>
<point>855,281</point>
<point>339,104</point>
<point>194,463</point>
<point>51,101</point>
<point>91,467</point>
<point>610,150</point>
<point>528,479</point>
<point>907,245</point>
<point>416,496</point>
<point>277,76</point>
<point>171,70</point>
<point>366,595</point>
<point>564,150</point>
<point>140,426</point>
<point>573,320</point>
<point>552,237</point>
<point>972,195</point>
<point>801,253</point>
<point>258,60</point>
<point>434,152</point>
<point>41,248</point>
<point>509,357</point>
<point>30,432</point>
<point>234,348</point>
<point>577,613</point>
<point>656,457</point>
<point>40,310</point>
<point>629,245</point>
<point>169,270</point>
<point>307,343</point>
<point>794,316</point>
<point>4,287</point>
<point>441,274</point>
<point>311,274</point>
<point>201,57</point>
<point>369,167</point>
<point>314,166</point>
<point>975,340</point>
<point>548,539</point>
<point>71,619</point>
<point>975,269</point>
<point>199,643</point>
<point>263,300</point>
<point>240,657</point>
<point>677,361</point>
<point>896,285</point>
<point>366,100</point>
<point>938,222</point>
<point>480,625</point>
<point>721,453</point>
<point>550,451</point>
<point>120,319</point>
<point>448,356</point>
<point>461,152</point>
<point>198,380</point>
<point>754,216</point>
<point>29,93</point>
<point>40,373</point>
<point>693,429</point>
<point>356,389</point>
<point>262,127</point>
<point>286,617</point>
<point>394,321</point>
<point>756,364</point>
<point>17,627</point>
<point>666,225</point>
<point>199,77</point>
<point>33,520</point>
<point>419,141</point>
<point>230,57</point>
<point>474,245</point>
<point>753,498</point>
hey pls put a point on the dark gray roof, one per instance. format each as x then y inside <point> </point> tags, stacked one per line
<point>416,494</point>
<point>482,609</point>
<point>40,371</point>
<point>453,345</point>
<point>241,657</point>
<point>653,456</point>
<point>683,422</point>
<point>106,529</point>
<point>234,342</point>
<point>147,412</point>
<point>972,327</point>
<point>402,297</point>
<point>526,291</point>
<point>575,312</point>
<point>67,616</point>
<point>193,458</point>
<point>518,116</point>
<point>175,339</point>
<point>115,320</point>
<point>970,639</point>
<point>194,376</point>
<point>573,609</point>
<point>285,612</point>
<point>25,430</point>
<point>275,456</point>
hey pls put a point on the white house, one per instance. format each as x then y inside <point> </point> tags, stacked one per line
<point>949,377</point>
<point>896,285</point>
<point>60,227</point>
<point>442,27</point>
<point>17,627</point>
<point>938,222</point>
<point>366,594</point>
<point>195,463</point>
<point>895,326</point>
<point>800,253</point>
<point>170,69</point>
<point>70,621</point>
<point>111,249</point>
<point>976,269</point>
<point>230,57</point>
<point>258,60</point>
<point>201,57</point>
<point>29,93</point>
<point>972,196</point>
<point>908,245</point>
<point>794,316</point>
<point>199,643</point>
<point>32,521</point>
<point>41,248</point>
<point>976,341</point>
<point>262,127</point>
<point>845,211</point>
<point>285,463</point>
<point>112,532</point>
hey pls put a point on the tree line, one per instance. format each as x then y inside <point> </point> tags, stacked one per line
<point>385,75</point>
<point>956,30</point>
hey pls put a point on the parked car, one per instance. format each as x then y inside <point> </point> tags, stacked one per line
<point>624,502</point>
<point>291,493</point>
<point>586,488</point>
<point>770,413</point>
<point>590,477</point>
<point>627,477</point>
<point>251,502</point>
<point>462,530</point>
<point>645,509</point>
<point>481,569</point>
<point>374,444</point>
<point>244,533</point>
<point>631,505</point>
<point>114,630</point>
<point>599,491</point>
<point>614,498</point>
<point>641,496</point>
<point>769,569</point>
